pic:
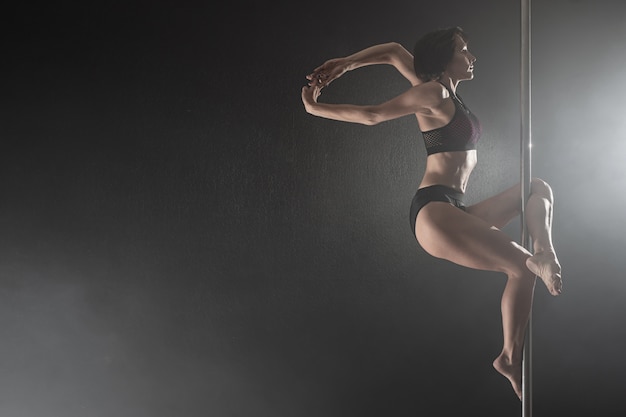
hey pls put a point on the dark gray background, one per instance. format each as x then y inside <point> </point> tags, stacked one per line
<point>180,238</point>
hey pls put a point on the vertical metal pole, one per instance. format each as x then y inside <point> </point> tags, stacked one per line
<point>525,178</point>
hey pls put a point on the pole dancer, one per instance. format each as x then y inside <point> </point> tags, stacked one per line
<point>442,223</point>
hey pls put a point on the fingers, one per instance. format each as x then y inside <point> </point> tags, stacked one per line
<point>317,75</point>
<point>311,92</point>
<point>320,79</point>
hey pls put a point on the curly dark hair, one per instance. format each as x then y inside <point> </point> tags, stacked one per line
<point>434,50</point>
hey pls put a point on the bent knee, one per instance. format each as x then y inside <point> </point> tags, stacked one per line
<point>541,188</point>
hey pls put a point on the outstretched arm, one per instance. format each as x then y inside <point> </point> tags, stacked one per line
<point>391,53</point>
<point>417,99</point>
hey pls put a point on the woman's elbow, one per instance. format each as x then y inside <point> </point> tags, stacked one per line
<point>372,119</point>
<point>374,116</point>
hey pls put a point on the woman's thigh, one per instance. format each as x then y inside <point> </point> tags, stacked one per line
<point>446,232</point>
<point>500,209</point>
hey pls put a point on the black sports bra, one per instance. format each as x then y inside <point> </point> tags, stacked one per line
<point>461,134</point>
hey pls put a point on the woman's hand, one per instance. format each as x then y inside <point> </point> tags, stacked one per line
<point>310,94</point>
<point>327,72</point>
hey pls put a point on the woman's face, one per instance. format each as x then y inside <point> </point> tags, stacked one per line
<point>461,67</point>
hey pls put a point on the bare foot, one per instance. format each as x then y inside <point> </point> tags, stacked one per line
<point>512,372</point>
<point>546,266</point>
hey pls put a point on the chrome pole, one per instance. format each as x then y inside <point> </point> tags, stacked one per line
<point>525,178</point>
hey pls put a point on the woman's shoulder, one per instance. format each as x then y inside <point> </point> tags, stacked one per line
<point>432,87</point>
<point>431,92</point>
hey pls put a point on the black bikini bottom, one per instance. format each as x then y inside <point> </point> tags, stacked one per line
<point>425,195</point>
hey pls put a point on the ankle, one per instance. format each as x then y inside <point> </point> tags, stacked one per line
<point>509,358</point>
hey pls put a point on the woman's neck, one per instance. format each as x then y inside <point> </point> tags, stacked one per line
<point>449,82</point>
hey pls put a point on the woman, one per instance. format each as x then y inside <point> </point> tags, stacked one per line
<point>466,235</point>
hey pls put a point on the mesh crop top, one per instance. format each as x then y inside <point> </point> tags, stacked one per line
<point>461,134</point>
